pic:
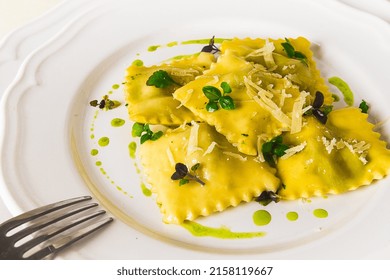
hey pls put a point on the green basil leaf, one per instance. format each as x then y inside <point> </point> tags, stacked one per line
<point>226,88</point>
<point>156,135</point>
<point>137,129</point>
<point>226,103</point>
<point>160,79</point>
<point>212,93</point>
<point>212,106</point>
<point>289,49</point>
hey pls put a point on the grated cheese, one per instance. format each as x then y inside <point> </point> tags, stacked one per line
<point>267,52</point>
<point>210,148</point>
<point>235,155</point>
<point>170,157</point>
<point>263,98</point>
<point>293,150</point>
<point>193,140</point>
<point>186,98</point>
<point>296,116</point>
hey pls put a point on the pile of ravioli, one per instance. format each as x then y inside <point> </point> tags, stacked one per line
<point>271,92</point>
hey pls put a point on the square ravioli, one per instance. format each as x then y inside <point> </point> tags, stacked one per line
<point>155,105</point>
<point>340,156</point>
<point>270,91</point>
<point>220,166</point>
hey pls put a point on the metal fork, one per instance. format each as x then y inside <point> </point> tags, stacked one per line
<point>42,232</point>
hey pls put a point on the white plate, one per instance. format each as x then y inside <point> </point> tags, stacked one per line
<point>380,8</point>
<point>47,126</point>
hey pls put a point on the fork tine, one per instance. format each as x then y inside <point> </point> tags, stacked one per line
<point>45,236</point>
<point>51,220</point>
<point>41,211</point>
<point>68,240</point>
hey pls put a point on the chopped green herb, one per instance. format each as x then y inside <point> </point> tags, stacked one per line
<point>211,47</point>
<point>143,131</point>
<point>212,93</point>
<point>364,107</point>
<point>160,79</point>
<point>319,110</point>
<point>292,53</point>
<point>184,176</point>
<point>105,103</point>
<point>273,148</point>
<point>266,197</point>
<point>226,88</point>
<point>215,97</point>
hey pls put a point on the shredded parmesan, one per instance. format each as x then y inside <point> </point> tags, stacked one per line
<point>296,116</point>
<point>293,150</point>
<point>267,52</point>
<point>193,140</point>
<point>170,157</point>
<point>210,148</point>
<point>263,98</point>
<point>235,155</point>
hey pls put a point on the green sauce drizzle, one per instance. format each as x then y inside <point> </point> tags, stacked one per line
<point>320,213</point>
<point>222,232</point>
<point>104,141</point>
<point>261,217</point>
<point>115,86</point>
<point>98,163</point>
<point>132,149</point>
<point>292,216</point>
<point>204,41</point>
<point>94,152</point>
<point>172,44</point>
<point>344,88</point>
<point>145,190</point>
<point>117,122</point>
<point>153,48</point>
<point>138,62</point>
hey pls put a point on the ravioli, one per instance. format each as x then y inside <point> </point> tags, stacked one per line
<point>265,101</point>
<point>271,54</point>
<point>338,157</point>
<point>149,104</point>
<point>230,177</point>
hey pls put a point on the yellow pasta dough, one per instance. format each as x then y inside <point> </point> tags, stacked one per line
<point>278,93</point>
<point>340,156</point>
<point>149,104</point>
<point>230,177</point>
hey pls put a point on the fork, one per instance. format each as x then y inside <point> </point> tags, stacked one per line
<point>42,232</point>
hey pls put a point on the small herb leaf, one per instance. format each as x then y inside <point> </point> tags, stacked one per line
<point>226,88</point>
<point>212,106</point>
<point>137,129</point>
<point>160,79</point>
<point>212,93</point>
<point>266,197</point>
<point>226,103</point>
<point>292,53</point>
<point>364,107</point>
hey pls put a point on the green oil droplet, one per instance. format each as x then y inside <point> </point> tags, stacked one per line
<point>98,163</point>
<point>117,122</point>
<point>292,216</point>
<point>153,48</point>
<point>320,213</point>
<point>104,141</point>
<point>94,152</point>
<point>261,217</point>
<point>197,229</point>
<point>137,62</point>
<point>115,86</point>
<point>132,149</point>
<point>145,190</point>
<point>172,44</point>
